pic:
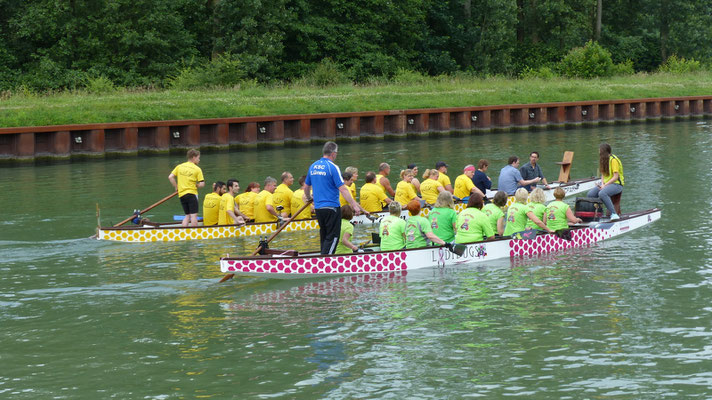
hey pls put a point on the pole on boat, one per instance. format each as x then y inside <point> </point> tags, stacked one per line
<point>159,202</point>
<point>227,277</point>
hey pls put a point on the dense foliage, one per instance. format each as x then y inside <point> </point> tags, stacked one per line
<point>50,44</point>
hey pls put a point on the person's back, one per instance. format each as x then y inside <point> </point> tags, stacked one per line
<point>392,231</point>
<point>415,229</point>
<point>246,203</point>
<point>405,192</point>
<point>493,213</point>
<point>429,190</point>
<point>211,208</point>
<point>226,200</point>
<point>516,218</point>
<point>556,215</point>
<point>509,176</point>
<point>297,202</point>
<point>463,186</point>
<point>472,226</point>
<point>372,197</point>
<point>346,227</point>
<point>441,222</point>
<point>538,209</point>
<point>261,201</point>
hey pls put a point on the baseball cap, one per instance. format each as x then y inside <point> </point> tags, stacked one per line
<point>440,164</point>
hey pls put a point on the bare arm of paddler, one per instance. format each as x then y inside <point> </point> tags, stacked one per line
<point>387,185</point>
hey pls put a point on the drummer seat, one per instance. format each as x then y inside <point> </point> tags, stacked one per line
<point>616,199</point>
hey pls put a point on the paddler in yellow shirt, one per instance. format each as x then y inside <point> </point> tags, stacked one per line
<point>211,204</point>
<point>229,214</point>
<point>298,201</point>
<point>283,194</point>
<point>405,192</point>
<point>352,187</point>
<point>464,185</point>
<point>349,182</point>
<point>373,199</point>
<point>382,179</point>
<point>246,201</point>
<point>186,179</point>
<point>444,180</point>
<point>430,188</point>
<point>264,207</point>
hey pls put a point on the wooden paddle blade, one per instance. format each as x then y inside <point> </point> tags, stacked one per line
<point>456,248</point>
<point>227,277</point>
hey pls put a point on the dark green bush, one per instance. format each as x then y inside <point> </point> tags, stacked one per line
<point>590,61</point>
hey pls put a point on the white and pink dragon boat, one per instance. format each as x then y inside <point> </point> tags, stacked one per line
<point>290,264</point>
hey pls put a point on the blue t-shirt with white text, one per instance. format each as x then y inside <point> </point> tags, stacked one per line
<point>325,179</point>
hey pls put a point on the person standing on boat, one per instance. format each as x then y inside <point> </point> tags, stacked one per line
<point>418,231</point>
<point>464,185</point>
<point>444,180</point>
<point>298,201</point>
<point>382,179</point>
<point>246,201</point>
<point>373,198</point>
<point>186,179</point>
<point>612,180</point>
<point>510,178</point>
<point>443,217</point>
<point>264,208</point>
<point>481,180</point>
<point>229,214</point>
<point>558,213</point>
<point>472,223</point>
<point>211,204</point>
<point>532,170</point>
<point>283,194</point>
<point>325,178</point>
<point>392,229</point>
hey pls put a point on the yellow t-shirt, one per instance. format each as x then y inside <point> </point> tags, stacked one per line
<point>378,183</point>
<point>372,197</point>
<point>463,186</point>
<point>187,176</point>
<point>352,189</point>
<point>405,192</point>
<point>262,200</point>
<point>429,190</point>
<point>227,202</point>
<point>443,179</point>
<point>246,203</point>
<point>614,165</point>
<point>282,196</point>
<point>211,207</point>
<point>297,203</point>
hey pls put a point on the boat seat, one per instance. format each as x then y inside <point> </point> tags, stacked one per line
<point>616,199</point>
<point>278,252</point>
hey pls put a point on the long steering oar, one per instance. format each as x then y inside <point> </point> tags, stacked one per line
<point>259,248</point>
<point>159,202</point>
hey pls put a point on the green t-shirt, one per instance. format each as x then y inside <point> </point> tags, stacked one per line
<point>392,232</point>
<point>538,209</point>
<point>441,222</point>
<point>346,227</point>
<point>516,218</point>
<point>493,213</point>
<point>472,226</point>
<point>556,215</point>
<point>415,229</point>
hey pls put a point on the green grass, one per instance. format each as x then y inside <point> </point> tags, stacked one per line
<point>27,109</point>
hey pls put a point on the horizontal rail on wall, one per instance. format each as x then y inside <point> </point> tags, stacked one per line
<point>99,140</point>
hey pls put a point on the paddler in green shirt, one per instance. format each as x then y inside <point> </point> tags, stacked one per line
<point>418,232</point>
<point>392,229</point>
<point>494,212</point>
<point>558,213</point>
<point>443,217</point>
<point>517,213</point>
<point>536,210</point>
<point>472,223</point>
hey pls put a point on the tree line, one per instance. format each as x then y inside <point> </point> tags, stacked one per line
<point>57,44</point>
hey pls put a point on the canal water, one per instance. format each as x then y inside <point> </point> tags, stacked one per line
<point>630,318</point>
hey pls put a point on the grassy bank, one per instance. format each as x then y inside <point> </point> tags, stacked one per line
<point>26,109</point>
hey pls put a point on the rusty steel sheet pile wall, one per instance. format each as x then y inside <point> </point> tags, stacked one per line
<point>133,138</point>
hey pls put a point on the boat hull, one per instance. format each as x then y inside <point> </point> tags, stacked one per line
<point>405,260</point>
<point>175,232</point>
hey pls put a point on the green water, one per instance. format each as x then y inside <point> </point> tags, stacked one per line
<point>625,319</point>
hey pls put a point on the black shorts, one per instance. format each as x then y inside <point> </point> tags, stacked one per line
<point>190,203</point>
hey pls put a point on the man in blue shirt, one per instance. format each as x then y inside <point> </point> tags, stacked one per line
<point>531,170</point>
<point>325,177</point>
<point>510,178</point>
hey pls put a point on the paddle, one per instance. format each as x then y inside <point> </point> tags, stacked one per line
<point>259,248</point>
<point>159,202</point>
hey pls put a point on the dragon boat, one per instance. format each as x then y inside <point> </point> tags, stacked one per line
<point>144,232</point>
<point>290,264</point>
